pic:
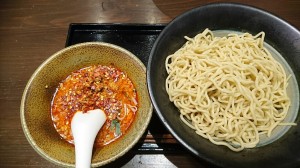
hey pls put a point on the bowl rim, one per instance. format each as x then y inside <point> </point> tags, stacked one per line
<point>150,84</point>
<point>41,66</point>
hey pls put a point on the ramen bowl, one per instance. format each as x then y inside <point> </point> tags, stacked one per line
<point>36,102</point>
<point>283,150</point>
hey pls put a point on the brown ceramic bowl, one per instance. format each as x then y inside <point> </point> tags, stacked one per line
<point>36,102</point>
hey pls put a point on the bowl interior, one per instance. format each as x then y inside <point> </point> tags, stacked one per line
<point>36,101</point>
<point>230,17</point>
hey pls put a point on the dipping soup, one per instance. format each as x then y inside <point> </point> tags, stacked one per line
<point>96,87</point>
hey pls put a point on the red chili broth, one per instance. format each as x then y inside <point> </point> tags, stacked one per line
<point>96,87</point>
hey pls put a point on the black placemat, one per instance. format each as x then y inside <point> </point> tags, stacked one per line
<point>138,39</point>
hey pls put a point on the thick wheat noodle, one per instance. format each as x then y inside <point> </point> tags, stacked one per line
<point>230,89</point>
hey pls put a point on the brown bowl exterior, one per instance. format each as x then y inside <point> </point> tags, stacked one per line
<point>36,101</point>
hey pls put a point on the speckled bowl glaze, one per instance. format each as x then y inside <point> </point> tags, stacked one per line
<point>36,102</point>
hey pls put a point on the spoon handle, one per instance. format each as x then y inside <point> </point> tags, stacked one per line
<point>85,127</point>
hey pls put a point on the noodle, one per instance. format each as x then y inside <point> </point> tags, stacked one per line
<point>230,90</point>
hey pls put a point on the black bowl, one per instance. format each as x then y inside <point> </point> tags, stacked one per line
<point>284,152</point>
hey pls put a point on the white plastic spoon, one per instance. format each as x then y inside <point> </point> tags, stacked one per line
<point>85,127</point>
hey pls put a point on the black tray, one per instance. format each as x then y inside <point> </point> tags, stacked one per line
<point>138,39</point>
